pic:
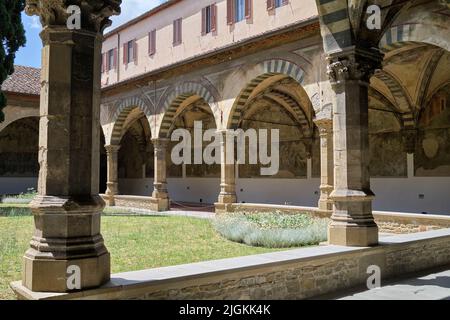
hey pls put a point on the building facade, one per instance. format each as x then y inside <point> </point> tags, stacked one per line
<point>263,65</point>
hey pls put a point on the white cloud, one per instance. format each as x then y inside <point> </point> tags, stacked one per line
<point>132,9</point>
<point>34,22</point>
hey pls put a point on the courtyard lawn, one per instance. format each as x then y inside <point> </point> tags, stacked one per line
<point>135,243</point>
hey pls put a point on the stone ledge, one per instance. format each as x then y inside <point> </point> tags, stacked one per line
<point>307,272</point>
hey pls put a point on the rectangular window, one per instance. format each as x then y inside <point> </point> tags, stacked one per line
<point>177,32</point>
<point>130,51</point>
<point>238,10</point>
<point>152,42</point>
<point>111,65</point>
<point>209,19</point>
<point>272,4</point>
<point>239,13</point>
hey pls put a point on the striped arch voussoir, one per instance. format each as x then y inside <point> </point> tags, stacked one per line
<point>122,111</point>
<point>271,68</point>
<point>176,97</point>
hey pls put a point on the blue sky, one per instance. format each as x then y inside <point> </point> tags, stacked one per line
<point>30,55</point>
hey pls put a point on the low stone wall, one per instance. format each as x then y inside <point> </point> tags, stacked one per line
<point>388,222</point>
<point>294,274</point>
<point>138,202</point>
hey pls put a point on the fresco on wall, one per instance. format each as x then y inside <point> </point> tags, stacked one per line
<point>19,149</point>
<point>198,111</point>
<point>387,153</point>
<point>294,147</point>
<point>432,158</point>
<point>135,158</point>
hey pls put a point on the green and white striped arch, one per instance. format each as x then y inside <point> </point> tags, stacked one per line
<point>123,109</point>
<point>335,24</point>
<point>271,68</point>
<point>177,96</point>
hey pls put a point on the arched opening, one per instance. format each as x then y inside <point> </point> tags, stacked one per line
<point>103,172</point>
<point>408,126</point>
<point>192,185</point>
<point>135,163</point>
<point>19,167</point>
<point>276,101</point>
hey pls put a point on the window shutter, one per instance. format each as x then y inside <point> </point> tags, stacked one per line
<point>270,4</point>
<point>135,51</point>
<point>214,18</point>
<point>115,58</point>
<point>230,12</point>
<point>152,42</point>
<point>125,53</point>
<point>175,30</point>
<point>108,66</point>
<point>203,21</point>
<point>180,31</point>
<point>248,9</point>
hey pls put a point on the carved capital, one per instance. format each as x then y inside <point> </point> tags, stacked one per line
<point>325,126</point>
<point>95,14</point>
<point>353,64</point>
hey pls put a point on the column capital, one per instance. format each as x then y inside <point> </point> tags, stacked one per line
<point>111,148</point>
<point>353,64</point>
<point>95,14</point>
<point>325,125</point>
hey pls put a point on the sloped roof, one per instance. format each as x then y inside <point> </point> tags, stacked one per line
<point>24,80</point>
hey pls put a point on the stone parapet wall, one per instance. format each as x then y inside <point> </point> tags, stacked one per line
<point>388,222</point>
<point>293,274</point>
<point>138,202</point>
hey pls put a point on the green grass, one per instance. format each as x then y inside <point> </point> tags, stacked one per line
<point>135,243</point>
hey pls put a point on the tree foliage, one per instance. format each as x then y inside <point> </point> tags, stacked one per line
<point>12,37</point>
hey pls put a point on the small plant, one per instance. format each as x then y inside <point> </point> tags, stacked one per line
<point>272,230</point>
<point>22,198</point>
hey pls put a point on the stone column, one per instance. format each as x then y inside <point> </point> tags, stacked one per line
<point>67,250</point>
<point>227,194</point>
<point>352,220</point>
<point>160,201</point>
<point>326,163</point>
<point>113,181</point>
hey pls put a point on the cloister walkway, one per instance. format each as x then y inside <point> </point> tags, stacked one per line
<point>431,285</point>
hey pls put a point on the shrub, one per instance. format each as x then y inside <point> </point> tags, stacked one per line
<point>23,198</point>
<point>272,230</point>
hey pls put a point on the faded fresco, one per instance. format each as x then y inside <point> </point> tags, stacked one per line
<point>19,149</point>
<point>294,147</point>
<point>198,111</point>
<point>433,143</point>
<point>387,152</point>
<point>135,158</point>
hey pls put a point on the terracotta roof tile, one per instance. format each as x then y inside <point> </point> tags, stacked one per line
<point>23,80</point>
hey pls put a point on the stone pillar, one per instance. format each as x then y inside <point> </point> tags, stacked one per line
<point>113,180</point>
<point>227,194</point>
<point>160,201</point>
<point>67,250</point>
<point>326,163</point>
<point>352,220</point>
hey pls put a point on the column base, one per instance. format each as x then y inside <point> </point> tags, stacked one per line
<point>352,223</point>
<point>352,236</point>
<point>221,208</point>
<point>50,275</point>
<point>159,205</point>
<point>326,204</point>
<point>67,233</point>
